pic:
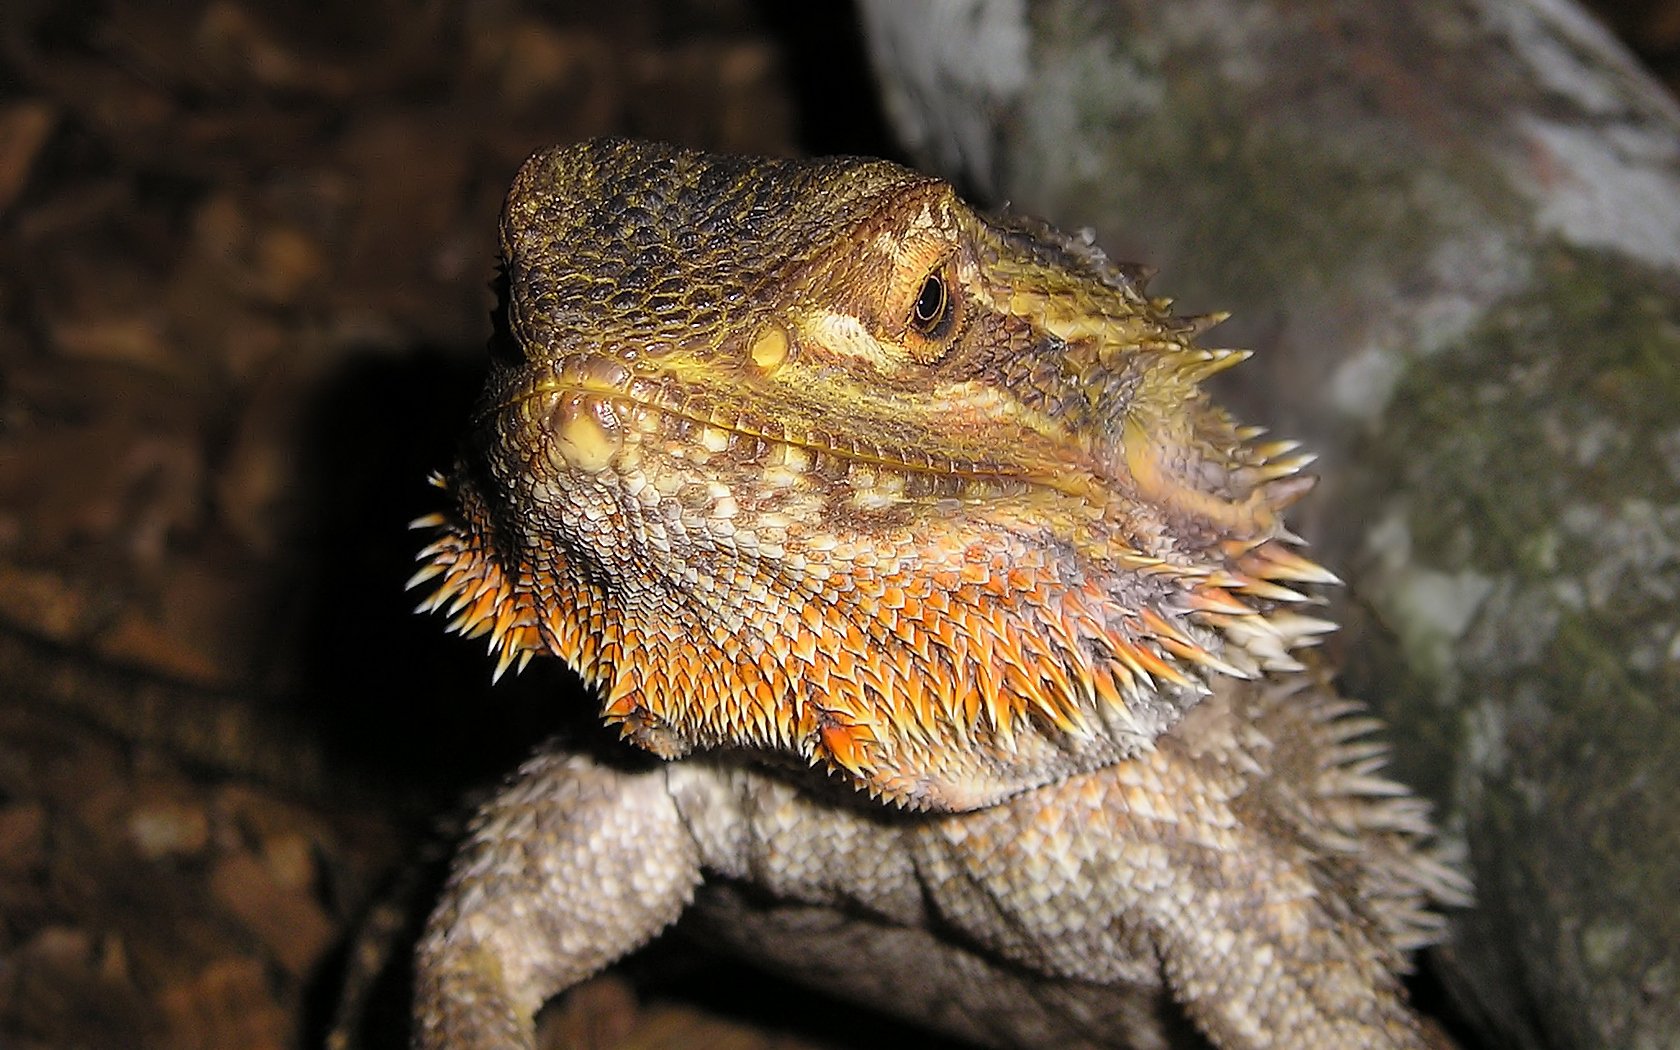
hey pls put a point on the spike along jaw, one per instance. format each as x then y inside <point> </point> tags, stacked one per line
<point>932,501</point>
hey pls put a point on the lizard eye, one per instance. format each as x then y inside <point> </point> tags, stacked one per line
<point>933,311</point>
<point>923,306</point>
<point>932,305</point>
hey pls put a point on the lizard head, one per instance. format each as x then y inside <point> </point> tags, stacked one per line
<point>810,457</point>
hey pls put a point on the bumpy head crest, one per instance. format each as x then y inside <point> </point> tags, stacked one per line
<point>810,457</point>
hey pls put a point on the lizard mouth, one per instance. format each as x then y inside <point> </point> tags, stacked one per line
<point>596,413</point>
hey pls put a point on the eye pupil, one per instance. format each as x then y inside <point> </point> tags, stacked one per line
<point>931,304</point>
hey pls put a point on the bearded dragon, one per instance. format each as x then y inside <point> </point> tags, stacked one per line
<point>964,628</point>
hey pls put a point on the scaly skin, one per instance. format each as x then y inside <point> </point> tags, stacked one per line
<point>972,622</point>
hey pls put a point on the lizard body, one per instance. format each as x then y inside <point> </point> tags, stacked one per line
<point>968,622</point>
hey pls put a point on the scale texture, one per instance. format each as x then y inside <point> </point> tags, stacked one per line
<point>963,628</point>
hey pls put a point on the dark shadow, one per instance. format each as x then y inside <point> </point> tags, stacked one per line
<point>828,70</point>
<point>391,692</point>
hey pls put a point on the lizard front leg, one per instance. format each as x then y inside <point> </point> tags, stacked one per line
<point>570,866</point>
<point>1261,956</point>
<point>1253,864</point>
<point>1308,876</point>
